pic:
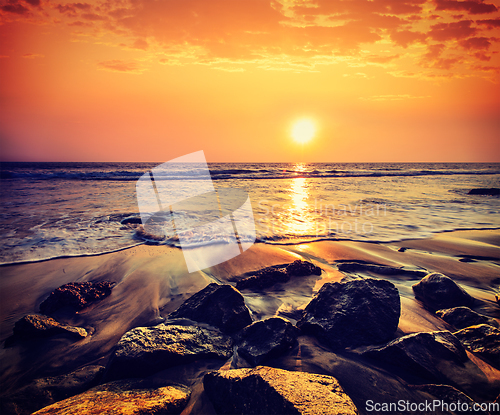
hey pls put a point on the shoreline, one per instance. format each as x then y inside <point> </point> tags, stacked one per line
<point>273,243</point>
<point>152,281</point>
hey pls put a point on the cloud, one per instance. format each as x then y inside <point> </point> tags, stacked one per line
<point>140,44</point>
<point>489,23</point>
<point>116,65</point>
<point>450,31</point>
<point>391,97</point>
<point>475,43</point>
<point>473,7</point>
<point>33,56</point>
<point>73,8</point>
<point>405,38</point>
<point>381,59</point>
<point>33,2</point>
<point>15,8</point>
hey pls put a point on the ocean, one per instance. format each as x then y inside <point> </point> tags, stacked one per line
<point>51,210</point>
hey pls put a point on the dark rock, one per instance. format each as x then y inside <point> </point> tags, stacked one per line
<point>143,351</point>
<point>482,339</point>
<point>462,317</point>
<point>402,249</point>
<point>45,391</point>
<point>438,291</point>
<point>131,397</point>
<point>76,295</point>
<point>353,313</point>
<point>133,220</point>
<point>422,354</point>
<point>302,268</point>
<point>354,266</point>
<point>36,326</point>
<point>270,276</point>
<point>266,390</point>
<point>266,339</point>
<point>221,306</point>
<point>492,191</point>
<point>449,395</point>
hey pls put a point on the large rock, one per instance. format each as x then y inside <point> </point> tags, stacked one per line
<point>143,351</point>
<point>221,306</point>
<point>353,313</point>
<point>491,191</point>
<point>462,317</point>
<point>267,277</point>
<point>438,291</point>
<point>36,326</point>
<point>422,354</point>
<point>446,396</point>
<point>76,295</point>
<point>482,339</point>
<point>266,390</point>
<point>266,339</point>
<point>128,397</point>
<point>45,391</point>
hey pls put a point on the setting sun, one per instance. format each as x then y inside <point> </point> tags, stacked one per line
<point>303,131</point>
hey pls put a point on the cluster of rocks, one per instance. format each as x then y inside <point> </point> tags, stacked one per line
<point>361,315</point>
<point>71,297</point>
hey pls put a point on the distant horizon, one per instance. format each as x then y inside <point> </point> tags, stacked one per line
<point>270,162</point>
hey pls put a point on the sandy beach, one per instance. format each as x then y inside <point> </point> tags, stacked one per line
<point>152,281</point>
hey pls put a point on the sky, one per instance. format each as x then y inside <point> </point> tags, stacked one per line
<point>152,80</point>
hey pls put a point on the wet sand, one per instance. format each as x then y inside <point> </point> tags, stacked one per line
<point>152,281</point>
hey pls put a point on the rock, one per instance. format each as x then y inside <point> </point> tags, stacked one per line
<point>462,317</point>
<point>354,313</point>
<point>143,351</point>
<point>36,326</point>
<point>76,295</point>
<point>266,390</point>
<point>266,339</point>
<point>438,291</point>
<point>356,266</point>
<point>482,339</point>
<point>449,395</point>
<point>492,191</point>
<point>124,397</point>
<point>133,220</point>
<point>269,276</point>
<point>221,306</point>
<point>422,354</point>
<point>45,391</point>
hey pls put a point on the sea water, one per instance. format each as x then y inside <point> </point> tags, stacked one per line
<point>51,210</point>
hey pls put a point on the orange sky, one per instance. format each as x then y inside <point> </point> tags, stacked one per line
<point>151,80</point>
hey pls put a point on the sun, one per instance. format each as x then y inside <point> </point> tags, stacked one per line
<point>303,131</point>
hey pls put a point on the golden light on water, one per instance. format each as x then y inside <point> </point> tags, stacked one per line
<point>303,131</point>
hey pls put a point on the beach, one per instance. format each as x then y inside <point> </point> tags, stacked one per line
<point>152,281</point>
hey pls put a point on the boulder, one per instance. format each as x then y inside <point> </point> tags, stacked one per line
<point>76,295</point>
<point>492,191</point>
<point>36,326</point>
<point>124,397</point>
<point>266,339</point>
<point>45,391</point>
<point>462,317</point>
<point>143,351</point>
<point>448,395</point>
<point>422,354</point>
<point>266,390</point>
<point>482,339</point>
<point>354,313</point>
<point>438,291</point>
<point>221,306</point>
<point>269,276</point>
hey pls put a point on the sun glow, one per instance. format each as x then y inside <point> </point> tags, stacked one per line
<point>303,131</point>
